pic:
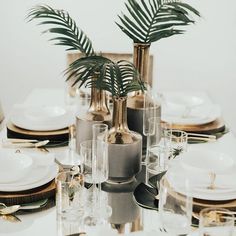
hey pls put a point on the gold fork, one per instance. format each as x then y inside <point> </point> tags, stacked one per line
<point>212,178</point>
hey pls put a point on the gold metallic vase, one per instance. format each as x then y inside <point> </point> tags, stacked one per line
<point>135,104</point>
<point>98,112</point>
<point>141,60</point>
<point>124,146</point>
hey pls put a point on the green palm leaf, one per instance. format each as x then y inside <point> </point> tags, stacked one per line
<point>69,35</point>
<point>85,69</point>
<point>117,78</point>
<point>152,20</point>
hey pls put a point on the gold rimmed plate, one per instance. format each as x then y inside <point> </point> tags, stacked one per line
<point>215,126</point>
<point>56,137</point>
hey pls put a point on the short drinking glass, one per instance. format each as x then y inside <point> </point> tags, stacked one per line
<point>216,222</point>
<point>70,195</point>
<point>175,209</point>
<point>158,149</point>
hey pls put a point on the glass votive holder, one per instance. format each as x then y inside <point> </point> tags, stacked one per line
<point>216,222</point>
<point>70,195</point>
<point>178,142</point>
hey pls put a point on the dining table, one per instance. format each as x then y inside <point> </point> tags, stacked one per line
<point>129,219</point>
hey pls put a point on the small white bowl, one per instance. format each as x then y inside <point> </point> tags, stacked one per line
<point>13,166</point>
<point>207,161</point>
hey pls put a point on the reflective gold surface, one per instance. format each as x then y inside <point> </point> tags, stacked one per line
<point>120,133</point>
<point>136,101</point>
<point>141,60</point>
<point>98,109</point>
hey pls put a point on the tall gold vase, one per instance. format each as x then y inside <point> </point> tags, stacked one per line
<point>98,112</point>
<point>124,146</point>
<point>135,103</point>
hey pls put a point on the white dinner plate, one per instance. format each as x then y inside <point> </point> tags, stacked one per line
<point>187,109</point>
<point>198,183</point>
<point>197,116</point>
<point>207,161</point>
<point>41,118</point>
<point>184,99</point>
<point>13,162</point>
<point>38,176</point>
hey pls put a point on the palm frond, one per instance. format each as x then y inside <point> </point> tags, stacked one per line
<point>150,21</point>
<point>84,69</point>
<point>69,35</point>
<point>118,78</point>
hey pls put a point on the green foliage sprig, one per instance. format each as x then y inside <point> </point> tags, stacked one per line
<point>91,70</point>
<point>152,20</point>
<point>70,35</point>
<point>118,78</point>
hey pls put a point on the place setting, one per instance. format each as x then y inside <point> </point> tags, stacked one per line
<point>27,183</point>
<point>26,177</point>
<point>31,156</point>
<point>205,176</point>
<point>181,181</point>
<point>193,113</point>
<point>40,123</point>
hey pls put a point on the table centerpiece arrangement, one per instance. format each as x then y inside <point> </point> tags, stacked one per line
<point>119,79</point>
<point>100,74</point>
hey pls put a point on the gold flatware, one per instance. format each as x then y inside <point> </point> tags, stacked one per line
<point>77,234</point>
<point>10,218</point>
<point>9,210</point>
<point>227,212</point>
<point>212,183</point>
<point>214,216</point>
<point>26,144</point>
<point>18,140</point>
<point>202,135</point>
<point>201,139</point>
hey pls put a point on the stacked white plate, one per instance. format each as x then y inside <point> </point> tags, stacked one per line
<point>25,171</point>
<point>187,109</point>
<point>42,118</point>
<point>192,175</point>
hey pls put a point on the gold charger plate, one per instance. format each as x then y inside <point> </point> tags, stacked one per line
<point>46,191</point>
<point>215,126</point>
<point>55,135</point>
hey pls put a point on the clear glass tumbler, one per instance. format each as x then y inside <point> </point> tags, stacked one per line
<point>152,108</point>
<point>70,195</point>
<point>95,162</point>
<point>178,142</point>
<point>158,147</point>
<point>175,209</point>
<point>216,222</point>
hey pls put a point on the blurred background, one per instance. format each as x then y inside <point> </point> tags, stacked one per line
<point>203,59</point>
